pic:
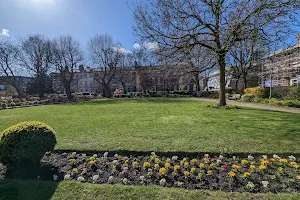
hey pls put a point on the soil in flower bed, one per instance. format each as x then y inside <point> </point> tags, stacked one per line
<point>251,174</point>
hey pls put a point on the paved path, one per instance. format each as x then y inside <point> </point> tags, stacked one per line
<point>255,105</point>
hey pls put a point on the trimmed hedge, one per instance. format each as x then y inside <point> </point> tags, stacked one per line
<point>26,143</point>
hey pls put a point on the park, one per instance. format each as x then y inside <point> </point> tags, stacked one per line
<point>156,99</point>
<point>180,127</point>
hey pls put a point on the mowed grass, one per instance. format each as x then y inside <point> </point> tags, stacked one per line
<point>163,125</point>
<point>43,190</point>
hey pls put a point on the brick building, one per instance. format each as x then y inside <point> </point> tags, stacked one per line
<point>158,78</point>
<point>281,68</point>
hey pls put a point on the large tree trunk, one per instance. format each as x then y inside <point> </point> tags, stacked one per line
<point>197,83</point>
<point>245,81</point>
<point>124,88</point>
<point>222,65</point>
<point>40,87</point>
<point>237,84</point>
<point>19,91</point>
<point>106,91</point>
<point>68,90</point>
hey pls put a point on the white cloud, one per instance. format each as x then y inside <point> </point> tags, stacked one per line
<point>151,45</point>
<point>137,46</point>
<point>121,50</point>
<point>5,32</point>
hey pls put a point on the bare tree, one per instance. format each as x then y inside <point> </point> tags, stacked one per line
<point>242,58</point>
<point>10,70</point>
<point>67,57</point>
<point>216,25</point>
<point>200,60</point>
<point>35,54</point>
<point>145,78</point>
<point>105,54</point>
<point>124,72</point>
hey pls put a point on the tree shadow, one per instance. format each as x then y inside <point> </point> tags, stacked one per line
<point>14,189</point>
<point>28,182</point>
<point>136,100</point>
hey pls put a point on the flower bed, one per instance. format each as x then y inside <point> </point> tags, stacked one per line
<point>215,173</point>
<point>10,103</point>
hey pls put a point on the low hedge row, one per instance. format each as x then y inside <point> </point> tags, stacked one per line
<point>273,101</point>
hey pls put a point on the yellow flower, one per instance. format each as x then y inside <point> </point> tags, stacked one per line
<point>264,162</point>
<point>193,169</point>
<point>176,167</point>
<point>75,170</point>
<point>273,159</point>
<point>231,174</point>
<point>162,171</point>
<point>147,164</point>
<point>193,161</point>
<point>283,161</point>
<point>209,172</point>
<point>294,165</point>
<point>184,159</point>
<point>126,161</point>
<point>252,166</point>
<point>186,164</point>
<point>156,166</point>
<point>262,167</point>
<point>212,165</point>
<point>244,162</point>
<point>236,167</point>
<point>84,169</point>
<point>206,160</point>
<point>157,160</point>
<point>186,173</point>
<point>246,174</point>
<point>92,158</point>
<point>167,165</point>
<point>298,177</point>
<point>201,165</point>
<point>280,169</point>
<point>92,162</point>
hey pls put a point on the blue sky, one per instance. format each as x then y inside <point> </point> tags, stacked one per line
<point>80,18</point>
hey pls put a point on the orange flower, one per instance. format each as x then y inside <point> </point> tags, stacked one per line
<point>147,164</point>
<point>186,173</point>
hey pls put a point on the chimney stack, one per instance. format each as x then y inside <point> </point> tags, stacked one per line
<point>81,68</point>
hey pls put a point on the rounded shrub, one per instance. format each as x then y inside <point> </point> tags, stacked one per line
<point>26,143</point>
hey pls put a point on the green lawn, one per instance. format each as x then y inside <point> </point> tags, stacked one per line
<point>43,190</point>
<point>163,125</point>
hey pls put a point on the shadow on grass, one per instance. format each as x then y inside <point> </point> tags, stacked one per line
<point>179,154</point>
<point>137,100</point>
<point>28,182</point>
<point>26,189</point>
